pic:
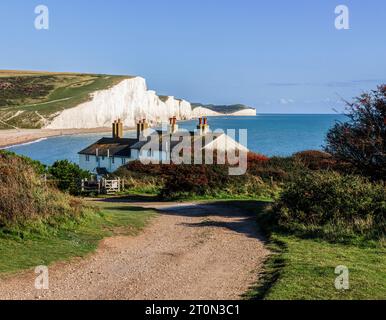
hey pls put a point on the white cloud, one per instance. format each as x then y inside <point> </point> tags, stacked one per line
<point>286,101</point>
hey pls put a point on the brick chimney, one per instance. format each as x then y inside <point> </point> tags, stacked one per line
<point>139,128</point>
<point>173,126</point>
<point>145,125</point>
<point>142,126</point>
<point>118,129</point>
<point>115,131</point>
<point>203,126</point>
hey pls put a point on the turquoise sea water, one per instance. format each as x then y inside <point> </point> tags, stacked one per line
<point>271,135</point>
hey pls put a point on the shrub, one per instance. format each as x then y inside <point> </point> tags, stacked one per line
<point>67,176</point>
<point>277,169</point>
<point>37,166</point>
<point>329,200</point>
<point>174,181</point>
<point>362,140</point>
<point>315,160</point>
<point>24,87</point>
<point>145,178</point>
<point>213,180</point>
<point>255,158</point>
<point>24,197</point>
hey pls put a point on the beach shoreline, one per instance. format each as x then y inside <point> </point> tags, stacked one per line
<point>14,137</point>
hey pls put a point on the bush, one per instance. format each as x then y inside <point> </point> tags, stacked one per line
<point>362,140</point>
<point>67,176</point>
<point>37,166</point>
<point>277,169</point>
<point>329,200</point>
<point>174,181</point>
<point>213,181</point>
<point>24,87</point>
<point>24,197</point>
<point>315,160</point>
<point>256,159</point>
<point>142,178</point>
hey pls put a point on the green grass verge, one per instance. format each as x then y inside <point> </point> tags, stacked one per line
<point>304,268</point>
<point>309,265</point>
<point>19,251</point>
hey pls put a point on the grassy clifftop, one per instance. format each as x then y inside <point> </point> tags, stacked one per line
<point>30,99</point>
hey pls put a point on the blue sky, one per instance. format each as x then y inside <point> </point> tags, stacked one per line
<point>279,56</point>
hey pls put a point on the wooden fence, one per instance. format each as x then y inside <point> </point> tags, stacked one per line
<point>102,186</point>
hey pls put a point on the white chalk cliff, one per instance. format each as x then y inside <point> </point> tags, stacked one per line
<point>129,101</point>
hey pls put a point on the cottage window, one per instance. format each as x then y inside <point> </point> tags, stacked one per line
<point>123,160</point>
<point>103,158</point>
<point>113,160</point>
<point>87,158</point>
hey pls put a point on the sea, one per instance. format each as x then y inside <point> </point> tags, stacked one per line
<point>268,134</point>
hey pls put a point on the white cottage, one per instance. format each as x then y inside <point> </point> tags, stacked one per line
<point>108,154</point>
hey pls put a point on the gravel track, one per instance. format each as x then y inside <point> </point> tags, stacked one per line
<point>189,251</point>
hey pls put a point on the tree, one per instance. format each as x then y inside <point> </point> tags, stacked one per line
<point>362,140</point>
<point>68,175</point>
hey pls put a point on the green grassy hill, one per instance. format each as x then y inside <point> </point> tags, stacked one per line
<point>226,109</point>
<point>28,99</point>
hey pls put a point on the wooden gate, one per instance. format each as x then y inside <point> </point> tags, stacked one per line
<point>111,186</point>
<point>103,186</point>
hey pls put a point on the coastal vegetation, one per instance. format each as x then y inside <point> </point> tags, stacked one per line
<point>361,141</point>
<point>189,181</point>
<point>302,263</point>
<point>333,206</point>
<point>333,215</point>
<point>40,224</point>
<point>265,177</point>
<point>67,175</point>
<point>25,198</point>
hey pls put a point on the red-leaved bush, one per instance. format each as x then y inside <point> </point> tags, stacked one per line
<point>362,140</point>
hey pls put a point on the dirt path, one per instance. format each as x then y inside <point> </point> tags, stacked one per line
<point>190,251</point>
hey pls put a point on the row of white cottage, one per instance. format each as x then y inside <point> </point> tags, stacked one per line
<point>108,154</point>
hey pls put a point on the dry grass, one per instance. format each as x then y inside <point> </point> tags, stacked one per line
<point>25,198</point>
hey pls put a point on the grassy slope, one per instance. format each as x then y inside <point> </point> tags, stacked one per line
<point>309,270</point>
<point>302,268</point>
<point>70,240</point>
<point>59,91</point>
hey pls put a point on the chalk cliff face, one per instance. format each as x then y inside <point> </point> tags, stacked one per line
<point>201,112</point>
<point>129,101</point>
<point>244,112</point>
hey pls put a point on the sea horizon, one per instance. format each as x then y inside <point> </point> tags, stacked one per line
<point>268,134</point>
